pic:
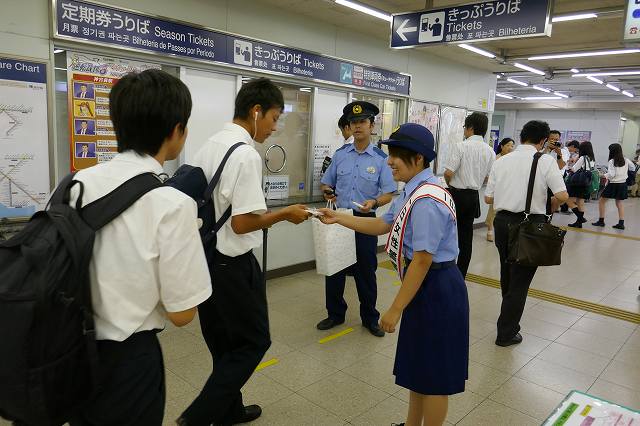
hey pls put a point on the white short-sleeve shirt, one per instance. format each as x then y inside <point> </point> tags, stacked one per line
<point>240,185</point>
<point>147,261</point>
<point>509,180</point>
<point>471,160</point>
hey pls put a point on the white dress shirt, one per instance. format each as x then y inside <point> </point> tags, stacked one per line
<point>509,180</point>
<point>581,163</point>
<point>471,161</point>
<point>240,185</point>
<point>148,260</point>
<point>619,174</point>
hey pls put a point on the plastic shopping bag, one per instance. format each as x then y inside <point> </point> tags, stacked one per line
<point>335,246</point>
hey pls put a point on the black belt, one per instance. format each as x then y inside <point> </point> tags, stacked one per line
<point>506,213</point>
<point>360,214</point>
<point>435,265</point>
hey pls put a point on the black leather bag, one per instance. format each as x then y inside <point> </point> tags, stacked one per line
<point>583,177</point>
<point>534,242</point>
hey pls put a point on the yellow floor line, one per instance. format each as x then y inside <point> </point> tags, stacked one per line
<point>335,336</point>
<point>565,300</point>
<point>397,283</point>
<point>387,265</point>
<point>266,364</point>
<point>605,234</point>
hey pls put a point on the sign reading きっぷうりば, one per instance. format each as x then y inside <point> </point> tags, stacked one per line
<point>82,20</point>
<point>487,20</point>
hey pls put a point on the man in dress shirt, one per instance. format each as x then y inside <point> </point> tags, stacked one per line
<point>507,191</point>
<point>358,173</point>
<point>466,169</point>
<point>345,129</point>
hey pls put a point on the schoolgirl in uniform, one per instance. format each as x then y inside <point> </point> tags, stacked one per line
<point>433,347</point>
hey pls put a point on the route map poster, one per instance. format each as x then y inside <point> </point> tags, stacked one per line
<point>89,81</point>
<point>24,138</point>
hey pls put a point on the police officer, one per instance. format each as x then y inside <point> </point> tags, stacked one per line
<point>432,357</point>
<point>358,174</point>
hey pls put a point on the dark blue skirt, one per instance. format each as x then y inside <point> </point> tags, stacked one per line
<point>432,357</point>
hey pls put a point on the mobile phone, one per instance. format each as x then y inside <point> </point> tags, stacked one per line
<point>314,212</point>
<point>358,205</point>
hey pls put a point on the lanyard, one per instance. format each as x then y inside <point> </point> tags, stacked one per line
<point>396,236</point>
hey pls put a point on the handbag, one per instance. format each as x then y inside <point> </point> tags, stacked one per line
<point>534,243</point>
<point>334,246</point>
<point>582,177</point>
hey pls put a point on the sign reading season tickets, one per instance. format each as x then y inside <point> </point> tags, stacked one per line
<point>116,27</point>
<point>487,20</point>
<point>90,79</point>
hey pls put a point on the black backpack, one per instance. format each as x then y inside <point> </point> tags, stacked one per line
<point>192,181</point>
<point>48,355</point>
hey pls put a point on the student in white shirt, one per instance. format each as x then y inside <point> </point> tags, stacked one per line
<point>234,320</point>
<point>616,188</point>
<point>148,264</point>
<point>345,129</point>
<point>577,194</point>
<point>507,191</point>
<point>466,169</point>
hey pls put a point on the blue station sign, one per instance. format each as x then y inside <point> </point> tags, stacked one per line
<point>488,20</point>
<point>86,21</point>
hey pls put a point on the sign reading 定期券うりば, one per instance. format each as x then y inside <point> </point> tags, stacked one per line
<point>80,20</point>
<point>488,20</point>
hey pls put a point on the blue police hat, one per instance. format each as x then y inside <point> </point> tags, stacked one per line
<point>413,137</point>
<point>359,110</point>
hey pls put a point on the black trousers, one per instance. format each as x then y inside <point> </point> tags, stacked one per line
<point>514,279</point>
<point>133,387</point>
<point>235,326</point>
<point>467,210</point>
<point>364,273</point>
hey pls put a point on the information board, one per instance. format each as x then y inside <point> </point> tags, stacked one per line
<point>581,409</point>
<point>450,132</point>
<point>425,114</point>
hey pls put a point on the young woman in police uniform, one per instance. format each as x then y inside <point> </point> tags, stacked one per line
<point>433,347</point>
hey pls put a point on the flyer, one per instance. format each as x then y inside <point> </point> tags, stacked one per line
<point>581,409</point>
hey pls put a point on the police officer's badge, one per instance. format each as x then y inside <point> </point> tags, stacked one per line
<point>357,109</point>
<point>371,169</point>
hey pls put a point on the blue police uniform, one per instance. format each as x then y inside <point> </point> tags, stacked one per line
<point>432,354</point>
<point>358,176</point>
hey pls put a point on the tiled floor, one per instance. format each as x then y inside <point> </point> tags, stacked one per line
<point>349,380</point>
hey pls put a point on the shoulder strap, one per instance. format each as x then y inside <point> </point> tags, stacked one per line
<point>62,193</point>
<point>102,211</point>
<point>532,180</point>
<point>208,193</point>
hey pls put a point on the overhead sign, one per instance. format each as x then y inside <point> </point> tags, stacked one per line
<point>489,20</point>
<point>632,21</point>
<point>80,20</point>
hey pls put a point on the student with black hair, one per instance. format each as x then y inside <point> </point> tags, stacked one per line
<point>506,146</point>
<point>572,147</point>
<point>148,263</point>
<point>234,321</point>
<point>577,194</point>
<point>616,189</point>
<point>345,128</point>
<point>507,191</point>
<point>466,169</point>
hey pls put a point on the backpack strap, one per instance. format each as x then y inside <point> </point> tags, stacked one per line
<point>62,193</point>
<point>103,210</point>
<point>208,193</point>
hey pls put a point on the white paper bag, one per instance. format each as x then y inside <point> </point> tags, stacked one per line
<point>335,246</point>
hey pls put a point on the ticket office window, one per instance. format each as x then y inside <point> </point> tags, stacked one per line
<point>389,117</point>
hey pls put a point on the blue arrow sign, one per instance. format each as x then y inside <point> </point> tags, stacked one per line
<point>488,20</point>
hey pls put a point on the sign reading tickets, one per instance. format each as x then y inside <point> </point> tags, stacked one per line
<point>117,27</point>
<point>89,82</point>
<point>488,20</point>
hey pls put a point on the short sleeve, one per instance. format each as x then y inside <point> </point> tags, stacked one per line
<point>182,267</point>
<point>390,215</point>
<point>565,154</point>
<point>491,183</point>
<point>554,179</point>
<point>429,225</point>
<point>453,159</point>
<point>242,185</point>
<point>330,175</point>
<point>578,165</point>
<point>387,184</point>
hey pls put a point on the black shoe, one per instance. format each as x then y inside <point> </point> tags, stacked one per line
<point>514,341</point>
<point>598,223</point>
<point>619,226</point>
<point>397,424</point>
<point>251,412</point>
<point>375,330</point>
<point>328,323</point>
<point>576,224</point>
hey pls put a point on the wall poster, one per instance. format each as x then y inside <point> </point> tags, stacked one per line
<point>450,132</point>
<point>427,115</point>
<point>24,138</point>
<point>90,78</point>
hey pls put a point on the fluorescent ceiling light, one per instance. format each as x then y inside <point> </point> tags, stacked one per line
<point>365,9</point>
<point>575,70</point>
<point>612,87</point>
<point>58,50</point>
<point>629,94</point>
<point>502,95</point>
<point>541,98</point>
<point>521,83</point>
<point>623,119</point>
<point>562,95</point>
<point>528,68</point>
<point>576,17</point>
<point>498,76</point>
<point>477,50</point>
<point>606,74</point>
<point>595,80</point>
<point>542,89</point>
<point>584,54</point>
